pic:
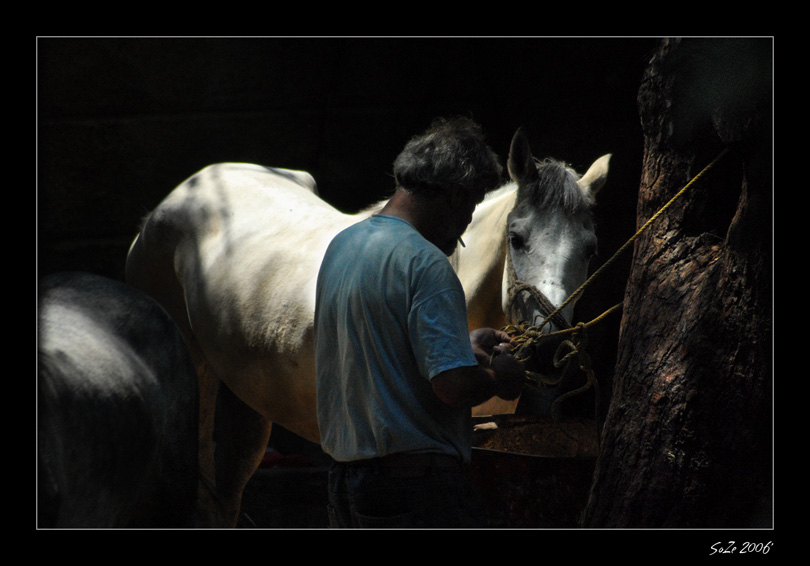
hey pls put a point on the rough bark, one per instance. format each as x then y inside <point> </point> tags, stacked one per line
<point>688,436</point>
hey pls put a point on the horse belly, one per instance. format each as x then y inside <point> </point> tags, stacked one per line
<point>282,388</point>
<point>250,319</point>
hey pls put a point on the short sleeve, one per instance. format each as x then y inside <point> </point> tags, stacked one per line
<point>439,334</point>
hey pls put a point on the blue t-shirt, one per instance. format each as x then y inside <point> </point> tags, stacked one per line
<point>390,315</point>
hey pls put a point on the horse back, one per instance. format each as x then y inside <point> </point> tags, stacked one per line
<point>233,254</point>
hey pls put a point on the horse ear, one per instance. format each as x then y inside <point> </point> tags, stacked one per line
<point>520,164</point>
<point>594,179</point>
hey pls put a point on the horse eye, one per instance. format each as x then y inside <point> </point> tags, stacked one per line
<point>591,250</point>
<point>516,240</point>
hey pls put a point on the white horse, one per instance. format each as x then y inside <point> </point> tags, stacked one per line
<point>233,255</point>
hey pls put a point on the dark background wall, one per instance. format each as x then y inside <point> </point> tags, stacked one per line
<point>122,121</point>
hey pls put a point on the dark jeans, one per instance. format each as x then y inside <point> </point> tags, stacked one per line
<point>381,494</point>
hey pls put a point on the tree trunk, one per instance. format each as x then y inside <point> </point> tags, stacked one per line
<point>687,441</point>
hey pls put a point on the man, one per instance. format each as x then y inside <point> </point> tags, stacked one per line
<point>397,369</point>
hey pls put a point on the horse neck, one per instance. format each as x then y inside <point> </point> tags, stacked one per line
<point>480,264</point>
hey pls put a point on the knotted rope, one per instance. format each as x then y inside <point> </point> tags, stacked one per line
<point>578,344</point>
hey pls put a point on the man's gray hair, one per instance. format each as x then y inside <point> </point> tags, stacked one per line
<point>452,152</point>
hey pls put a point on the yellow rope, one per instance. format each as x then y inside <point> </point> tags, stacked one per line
<point>527,336</point>
<point>578,345</point>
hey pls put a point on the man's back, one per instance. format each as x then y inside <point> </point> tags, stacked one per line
<point>390,315</point>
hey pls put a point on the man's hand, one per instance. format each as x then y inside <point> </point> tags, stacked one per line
<point>497,372</point>
<point>493,349</point>
<point>487,342</point>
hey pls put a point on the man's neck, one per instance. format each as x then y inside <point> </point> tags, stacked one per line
<point>407,207</point>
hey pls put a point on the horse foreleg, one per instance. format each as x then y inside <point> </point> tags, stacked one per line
<point>241,439</point>
<point>209,507</point>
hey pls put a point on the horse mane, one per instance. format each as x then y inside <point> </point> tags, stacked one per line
<point>555,188</point>
<point>495,193</point>
<point>373,208</point>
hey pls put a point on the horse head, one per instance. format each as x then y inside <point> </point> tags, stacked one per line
<point>551,236</point>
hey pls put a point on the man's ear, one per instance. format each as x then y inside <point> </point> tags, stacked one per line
<point>457,196</point>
